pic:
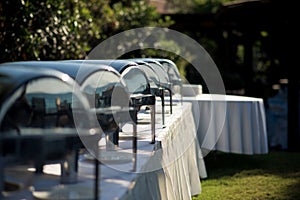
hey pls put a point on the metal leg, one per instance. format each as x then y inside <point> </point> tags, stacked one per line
<point>116,137</point>
<point>1,176</point>
<point>110,146</point>
<point>171,102</point>
<point>97,172</point>
<point>134,146</point>
<point>68,168</point>
<point>152,124</point>
<point>163,107</point>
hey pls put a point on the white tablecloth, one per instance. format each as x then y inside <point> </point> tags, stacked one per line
<point>169,169</point>
<point>230,123</point>
<point>180,158</point>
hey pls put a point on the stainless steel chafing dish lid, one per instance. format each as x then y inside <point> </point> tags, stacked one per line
<point>171,69</point>
<point>134,78</point>
<point>119,65</point>
<point>45,91</point>
<point>13,76</point>
<point>150,73</point>
<point>77,70</point>
<point>158,68</point>
<point>122,64</point>
<point>37,104</point>
<point>94,79</point>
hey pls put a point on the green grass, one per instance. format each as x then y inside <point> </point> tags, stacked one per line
<point>273,176</point>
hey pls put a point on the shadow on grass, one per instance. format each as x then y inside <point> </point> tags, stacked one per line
<point>227,164</point>
<point>292,191</point>
<point>284,165</point>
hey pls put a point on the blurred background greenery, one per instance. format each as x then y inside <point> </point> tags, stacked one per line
<point>252,43</point>
<point>67,29</point>
<point>249,41</point>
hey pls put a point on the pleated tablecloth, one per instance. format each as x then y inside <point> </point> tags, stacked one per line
<point>229,123</point>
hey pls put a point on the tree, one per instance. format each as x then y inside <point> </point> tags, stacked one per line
<point>66,29</point>
<point>195,6</point>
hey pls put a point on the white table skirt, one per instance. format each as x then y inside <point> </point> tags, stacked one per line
<point>169,169</point>
<point>230,123</point>
<point>181,160</point>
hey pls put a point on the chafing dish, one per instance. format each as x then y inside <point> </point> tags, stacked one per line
<point>162,74</point>
<point>156,87</point>
<point>137,83</point>
<point>173,73</point>
<point>103,87</point>
<point>36,121</point>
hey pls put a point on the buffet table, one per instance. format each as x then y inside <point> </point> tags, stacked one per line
<point>169,169</point>
<point>230,123</point>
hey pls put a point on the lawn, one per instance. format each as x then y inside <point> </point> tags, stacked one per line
<point>273,176</point>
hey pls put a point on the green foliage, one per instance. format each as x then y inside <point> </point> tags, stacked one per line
<point>134,15</point>
<point>195,6</point>
<point>64,29</point>
<point>44,30</point>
